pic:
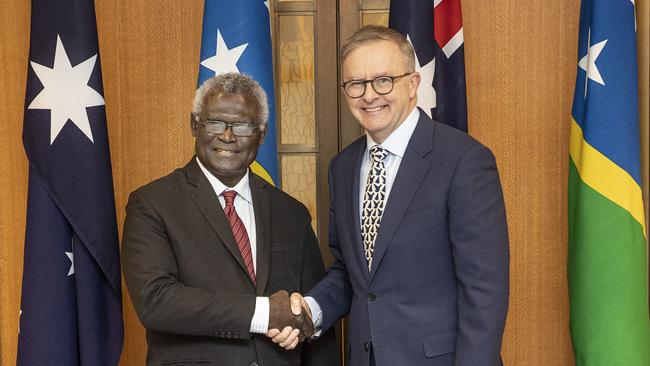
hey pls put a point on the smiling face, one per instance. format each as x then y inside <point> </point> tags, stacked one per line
<point>225,155</point>
<point>378,114</point>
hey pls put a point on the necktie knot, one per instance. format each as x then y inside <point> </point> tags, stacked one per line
<point>229,197</point>
<point>378,154</point>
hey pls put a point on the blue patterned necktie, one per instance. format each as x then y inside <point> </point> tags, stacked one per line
<point>374,198</point>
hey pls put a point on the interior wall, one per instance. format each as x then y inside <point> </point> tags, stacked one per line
<point>14,44</point>
<point>521,64</point>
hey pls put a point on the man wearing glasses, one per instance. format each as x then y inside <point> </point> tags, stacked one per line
<point>417,225</point>
<point>208,250</point>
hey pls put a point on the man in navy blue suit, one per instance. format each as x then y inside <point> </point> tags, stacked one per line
<point>417,225</point>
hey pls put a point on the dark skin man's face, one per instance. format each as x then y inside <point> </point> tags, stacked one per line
<point>226,155</point>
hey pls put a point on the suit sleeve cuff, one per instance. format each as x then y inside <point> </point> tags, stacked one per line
<point>316,315</point>
<point>260,321</point>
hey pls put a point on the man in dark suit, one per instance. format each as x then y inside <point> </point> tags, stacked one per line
<point>205,246</point>
<point>417,225</point>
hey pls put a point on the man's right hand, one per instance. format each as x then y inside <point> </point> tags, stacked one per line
<point>286,317</point>
<point>288,338</point>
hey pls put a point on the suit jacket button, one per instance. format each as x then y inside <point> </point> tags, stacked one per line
<point>366,347</point>
<point>372,296</point>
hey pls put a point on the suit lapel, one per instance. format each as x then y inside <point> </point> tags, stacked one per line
<point>206,200</point>
<point>412,170</point>
<point>262,208</point>
<point>352,197</point>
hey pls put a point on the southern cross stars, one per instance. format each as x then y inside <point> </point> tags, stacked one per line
<point>224,60</point>
<point>66,92</point>
<point>426,92</point>
<point>71,258</point>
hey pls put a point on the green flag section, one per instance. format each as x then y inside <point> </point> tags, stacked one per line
<point>607,267</point>
<point>608,262</point>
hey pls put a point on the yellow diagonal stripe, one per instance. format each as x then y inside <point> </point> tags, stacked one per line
<point>258,169</point>
<point>604,176</point>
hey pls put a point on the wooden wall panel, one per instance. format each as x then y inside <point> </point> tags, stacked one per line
<point>521,64</point>
<point>14,44</point>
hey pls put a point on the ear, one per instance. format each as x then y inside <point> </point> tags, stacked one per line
<point>262,135</point>
<point>414,83</point>
<point>194,125</point>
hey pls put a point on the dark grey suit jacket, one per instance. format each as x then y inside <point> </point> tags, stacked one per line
<point>438,290</point>
<point>188,282</point>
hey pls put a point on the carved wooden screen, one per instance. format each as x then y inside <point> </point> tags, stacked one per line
<point>306,74</point>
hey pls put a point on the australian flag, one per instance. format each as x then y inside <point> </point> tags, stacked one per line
<point>435,29</point>
<point>71,310</point>
<point>237,38</point>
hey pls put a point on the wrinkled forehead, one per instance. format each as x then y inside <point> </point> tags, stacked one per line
<point>374,58</point>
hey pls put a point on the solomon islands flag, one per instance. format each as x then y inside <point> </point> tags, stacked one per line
<point>607,268</point>
<point>435,29</point>
<point>71,310</point>
<point>237,38</point>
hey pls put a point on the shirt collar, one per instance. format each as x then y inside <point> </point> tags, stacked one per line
<point>398,140</point>
<point>242,187</point>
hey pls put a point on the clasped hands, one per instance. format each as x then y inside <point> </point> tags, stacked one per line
<point>290,320</point>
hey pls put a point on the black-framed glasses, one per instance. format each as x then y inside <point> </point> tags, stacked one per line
<point>382,85</point>
<point>241,129</point>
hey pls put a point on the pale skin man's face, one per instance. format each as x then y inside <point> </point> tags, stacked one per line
<point>378,114</point>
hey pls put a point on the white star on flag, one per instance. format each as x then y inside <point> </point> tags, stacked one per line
<point>70,256</point>
<point>634,8</point>
<point>66,92</point>
<point>426,92</point>
<point>588,62</point>
<point>268,8</point>
<point>224,60</point>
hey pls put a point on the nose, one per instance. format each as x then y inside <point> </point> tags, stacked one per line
<point>369,94</point>
<point>227,135</point>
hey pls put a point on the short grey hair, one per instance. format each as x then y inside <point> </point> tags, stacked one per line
<point>374,33</point>
<point>233,83</point>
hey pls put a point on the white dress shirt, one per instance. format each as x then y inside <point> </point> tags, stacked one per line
<point>244,206</point>
<point>395,144</point>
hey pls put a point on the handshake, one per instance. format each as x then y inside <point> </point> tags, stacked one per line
<point>290,320</point>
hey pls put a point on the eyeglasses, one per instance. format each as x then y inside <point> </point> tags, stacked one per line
<point>241,129</point>
<point>382,85</point>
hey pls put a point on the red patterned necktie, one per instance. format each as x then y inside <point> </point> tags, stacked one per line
<point>239,231</point>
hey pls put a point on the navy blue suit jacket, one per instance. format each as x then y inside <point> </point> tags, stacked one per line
<point>438,290</point>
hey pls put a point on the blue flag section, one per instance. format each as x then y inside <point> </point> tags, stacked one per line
<point>71,309</point>
<point>435,29</point>
<point>605,96</point>
<point>237,38</point>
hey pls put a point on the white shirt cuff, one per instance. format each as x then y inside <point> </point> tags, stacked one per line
<point>260,321</point>
<point>316,315</point>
